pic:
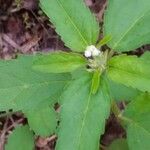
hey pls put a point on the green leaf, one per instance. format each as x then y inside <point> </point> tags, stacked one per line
<point>146,56</point>
<point>21,138</point>
<point>121,92</point>
<point>59,62</point>
<point>95,81</point>
<point>119,144</point>
<point>83,115</point>
<point>42,120</point>
<point>104,41</point>
<point>22,88</point>
<point>73,21</point>
<point>130,27</point>
<point>137,115</point>
<point>130,71</point>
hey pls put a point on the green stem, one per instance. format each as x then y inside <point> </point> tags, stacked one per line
<point>111,53</point>
<point>115,109</point>
<point>118,113</point>
<point>124,119</point>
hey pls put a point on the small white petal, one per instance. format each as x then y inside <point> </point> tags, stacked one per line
<point>90,48</point>
<point>88,53</point>
<point>92,51</point>
<point>95,52</point>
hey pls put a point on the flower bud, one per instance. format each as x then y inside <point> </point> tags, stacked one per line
<point>88,53</point>
<point>95,52</point>
<point>91,51</point>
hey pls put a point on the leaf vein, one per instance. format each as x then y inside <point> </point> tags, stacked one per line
<point>75,26</point>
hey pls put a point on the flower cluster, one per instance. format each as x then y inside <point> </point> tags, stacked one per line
<point>91,51</point>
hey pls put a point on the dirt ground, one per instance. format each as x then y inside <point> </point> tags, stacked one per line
<point>25,29</point>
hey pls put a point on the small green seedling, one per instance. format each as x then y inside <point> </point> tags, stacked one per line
<point>87,82</point>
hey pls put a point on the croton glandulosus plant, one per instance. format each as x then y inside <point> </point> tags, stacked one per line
<point>86,82</point>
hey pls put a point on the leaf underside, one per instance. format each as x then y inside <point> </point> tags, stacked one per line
<point>73,21</point>
<point>130,27</point>
<point>23,88</point>
<point>82,115</point>
<point>138,131</point>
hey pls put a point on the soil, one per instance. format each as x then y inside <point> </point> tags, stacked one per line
<point>24,29</point>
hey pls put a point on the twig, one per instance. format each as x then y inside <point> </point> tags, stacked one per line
<point>39,20</point>
<point>2,137</point>
<point>53,137</point>
<point>101,12</point>
<point>14,124</point>
<point>10,41</point>
<point>31,43</point>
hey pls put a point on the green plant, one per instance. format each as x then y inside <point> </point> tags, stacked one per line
<point>86,88</point>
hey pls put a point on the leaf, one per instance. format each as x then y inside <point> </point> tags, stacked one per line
<point>23,88</point>
<point>130,27</point>
<point>60,62</point>
<point>42,119</point>
<point>119,144</point>
<point>95,81</point>
<point>130,71</point>
<point>73,21</point>
<point>21,138</point>
<point>137,115</point>
<point>83,115</point>
<point>121,92</point>
<point>146,56</point>
<point>104,41</point>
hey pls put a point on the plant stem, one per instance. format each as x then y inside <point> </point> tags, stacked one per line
<point>115,109</point>
<point>111,53</point>
<point>118,113</point>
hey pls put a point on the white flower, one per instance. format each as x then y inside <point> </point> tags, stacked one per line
<point>91,51</point>
<point>88,53</point>
<point>95,52</point>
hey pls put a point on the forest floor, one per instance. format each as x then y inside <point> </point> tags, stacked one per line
<point>24,29</point>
